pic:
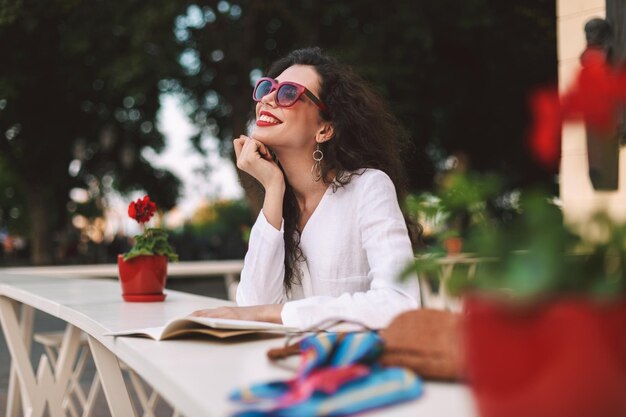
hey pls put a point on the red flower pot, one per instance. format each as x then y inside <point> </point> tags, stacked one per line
<point>453,245</point>
<point>565,358</point>
<point>143,278</point>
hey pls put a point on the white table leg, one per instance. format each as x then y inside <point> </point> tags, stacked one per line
<point>112,380</point>
<point>48,386</point>
<point>14,404</point>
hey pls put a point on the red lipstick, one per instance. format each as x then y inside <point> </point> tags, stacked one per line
<point>263,123</point>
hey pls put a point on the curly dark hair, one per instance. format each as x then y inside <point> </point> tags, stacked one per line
<point>366,135</point>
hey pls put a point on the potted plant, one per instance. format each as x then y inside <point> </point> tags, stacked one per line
<point>143,269</point>
<point>459,202</point>
<point>544,314</point>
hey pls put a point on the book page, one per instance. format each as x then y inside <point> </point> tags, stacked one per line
<point>219,323</point>
<point>150,332</point>
<point>219,333</point>
<point>216,327</point>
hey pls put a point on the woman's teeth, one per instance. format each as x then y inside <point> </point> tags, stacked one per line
<point>268,119</point>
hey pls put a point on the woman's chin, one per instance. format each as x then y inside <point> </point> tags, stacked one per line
<point>263,135</point>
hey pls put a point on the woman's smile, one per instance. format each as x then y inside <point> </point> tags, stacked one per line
<point>267,119</point>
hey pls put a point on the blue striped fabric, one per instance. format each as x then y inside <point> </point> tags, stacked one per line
<point>357,347</point>
<point>338,376</point>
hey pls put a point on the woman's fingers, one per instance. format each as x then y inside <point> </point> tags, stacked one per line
<point>254,148</point>
<point>243,152</point>
<point>251,145</point>
<point>238,144</point>
<point>263,150</point>
<point>251,152</point>
<point>220,312</point>
<point>237,313</point>
<point>254,158</point>
<point>267,312</point>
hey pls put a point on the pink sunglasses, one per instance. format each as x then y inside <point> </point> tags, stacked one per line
<point>287,92</point>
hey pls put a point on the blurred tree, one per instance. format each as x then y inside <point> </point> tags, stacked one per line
<point>79,95</point>
<point>13,215</point>
<point>456,73</point>
<point>216,231</point>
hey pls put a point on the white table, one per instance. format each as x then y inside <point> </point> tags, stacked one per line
<point>194,376</point>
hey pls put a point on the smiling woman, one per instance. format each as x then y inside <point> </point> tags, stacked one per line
<point>331,238</point>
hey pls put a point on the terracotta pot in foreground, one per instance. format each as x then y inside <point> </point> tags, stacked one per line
<point>564,358</point>
<point>143,278</point>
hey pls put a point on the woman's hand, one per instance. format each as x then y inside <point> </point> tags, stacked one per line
<point>254,158</point>
<point>267,312</point>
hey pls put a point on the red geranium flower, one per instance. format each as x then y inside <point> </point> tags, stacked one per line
<point>142,209</point>
<point>545,136</point>
<point>596,96</point>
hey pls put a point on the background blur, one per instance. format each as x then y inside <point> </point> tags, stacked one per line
<point>102,102</point>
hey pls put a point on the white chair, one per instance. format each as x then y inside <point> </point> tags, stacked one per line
<point>442,299</point>
<point>76,402</point>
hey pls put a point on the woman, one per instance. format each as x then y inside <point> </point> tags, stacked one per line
<point>331,238</point>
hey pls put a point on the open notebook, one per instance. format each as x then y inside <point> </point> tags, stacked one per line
<point>221,328</point>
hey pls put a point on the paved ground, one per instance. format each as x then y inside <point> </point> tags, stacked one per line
<point>44,322</point>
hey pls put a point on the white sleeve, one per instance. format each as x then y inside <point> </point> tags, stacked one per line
<point>386,242</point>
<point>263,266</point>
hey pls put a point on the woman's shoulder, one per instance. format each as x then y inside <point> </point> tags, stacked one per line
<point>367,177</point>
<point>364,181</point>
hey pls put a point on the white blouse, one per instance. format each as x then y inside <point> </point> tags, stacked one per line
<point>355,244</point>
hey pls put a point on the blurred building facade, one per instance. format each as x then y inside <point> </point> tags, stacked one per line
<point>578,196</point>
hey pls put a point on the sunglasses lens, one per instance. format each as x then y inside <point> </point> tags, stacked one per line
<point>262,89</point>
<point>287,95</point>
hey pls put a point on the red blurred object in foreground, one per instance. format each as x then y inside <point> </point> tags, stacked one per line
<point>143,278</point>
<point>595,98</point>
<point>545,137</point>
<point>564,358</point>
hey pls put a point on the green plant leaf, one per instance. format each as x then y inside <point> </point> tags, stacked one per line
<point>152,242</point>
<point>532,255</point>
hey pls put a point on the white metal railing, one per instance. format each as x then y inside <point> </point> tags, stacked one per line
<point>442,299</point>
<point>229,269</point>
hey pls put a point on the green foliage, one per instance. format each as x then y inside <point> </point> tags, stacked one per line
<point>221,217</point>
<point>152,242</point>
<point>220,229</point>
<point>79,83</point>
<point>83,85</point>
<point>536,255</point>
<point>461,200</point>
<point>81,80</point>
<point>411,51</point>
<point>8,10</point>
<point>13,214</point>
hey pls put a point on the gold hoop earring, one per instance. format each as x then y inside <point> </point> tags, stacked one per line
<point>316,169</point>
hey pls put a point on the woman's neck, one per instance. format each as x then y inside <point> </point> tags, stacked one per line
<point>297,168</point>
